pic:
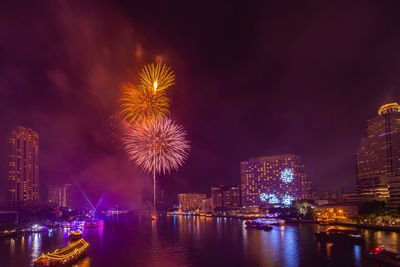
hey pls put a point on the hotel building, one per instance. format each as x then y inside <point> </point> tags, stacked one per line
<point>275,180</point>
<point>23,166</point>
<point>226,197</point>
<point>378,156</point>
<point>191,202</point>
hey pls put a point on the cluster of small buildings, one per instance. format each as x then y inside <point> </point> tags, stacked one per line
<point>275,180</point>
<point>279,180</point>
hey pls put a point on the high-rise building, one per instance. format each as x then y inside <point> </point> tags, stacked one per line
<point>226,197</point>
<point>191,201</point>
<point>24,166</point>
<point>58,196</point>
<point>379,151</point>
<point>378,156</point>
<point>276,180</point>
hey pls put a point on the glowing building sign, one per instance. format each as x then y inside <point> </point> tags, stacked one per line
<point>287,200</point>
<point>271,198</point>
<point>287,175</point>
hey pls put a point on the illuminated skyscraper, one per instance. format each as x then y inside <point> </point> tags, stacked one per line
<point>378,156</point>
<point>276,180</point>
<point>379,151</point>
<point>24,166</point>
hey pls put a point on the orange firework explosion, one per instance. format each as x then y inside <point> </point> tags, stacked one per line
<point>147,101</point>
<point>139,105</point>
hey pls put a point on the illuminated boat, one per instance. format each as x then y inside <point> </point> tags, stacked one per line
<point>65,256</point>
<point>385,256</point>
<point>340,236</point>
<point>94,223</point>
<point>75,235</point>
<point>37,228</point>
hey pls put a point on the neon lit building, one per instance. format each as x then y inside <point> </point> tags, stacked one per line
<point>275,180</point>
<point>378,156</point>
<point>23,166</point>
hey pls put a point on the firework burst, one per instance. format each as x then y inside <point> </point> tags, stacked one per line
<point>158,146</point>
<point>156,77</point>
<point>139,104</point>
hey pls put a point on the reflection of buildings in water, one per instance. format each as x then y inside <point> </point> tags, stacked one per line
<point>36,245</point>
<point>357,255</point>
<point>23,244</point>
<point>12,246</point>
<point>269,244</point>
<point>378,237</point>
<point>319,247</point>
<point>328,247</point>
<point>291,249</point>
<point>197,228</point>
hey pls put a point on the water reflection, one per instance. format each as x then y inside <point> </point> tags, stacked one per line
<point>357,255</point>
<point>36,245</point>
<point>291,248</point>
<point>196,241</point>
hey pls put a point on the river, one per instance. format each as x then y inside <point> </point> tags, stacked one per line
<point>136,240</point>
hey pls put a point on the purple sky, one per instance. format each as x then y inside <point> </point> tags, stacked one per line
<point>253,79</point>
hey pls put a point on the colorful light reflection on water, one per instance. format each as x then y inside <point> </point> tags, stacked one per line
<point>194,241</point>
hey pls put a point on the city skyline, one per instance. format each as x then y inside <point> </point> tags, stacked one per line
<point>289,88</point>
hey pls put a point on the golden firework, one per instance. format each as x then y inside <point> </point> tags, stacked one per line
<point>148,100</point>
<point>156,77</point>
<point>139,104</point>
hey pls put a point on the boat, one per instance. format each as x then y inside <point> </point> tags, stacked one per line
<point>94,223</point>
<point>340,236</point>
<point>65,256</point>
<point>37,228</point>
<point>75,235</point>
<point>385,256</point>
<point>259,225</point>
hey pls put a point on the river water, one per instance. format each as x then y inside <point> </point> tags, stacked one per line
<point>136,240</point>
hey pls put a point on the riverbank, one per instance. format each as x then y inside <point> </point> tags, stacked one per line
<point>391,228</point>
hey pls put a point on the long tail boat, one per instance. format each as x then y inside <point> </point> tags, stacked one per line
<point>63,256</point>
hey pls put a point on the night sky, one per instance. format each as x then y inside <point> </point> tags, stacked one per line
<point>252,79</point>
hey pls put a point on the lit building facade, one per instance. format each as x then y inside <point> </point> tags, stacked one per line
<point>58,196</point>
<point>191,201</point>
<point>378,156</point>
<point>23,166</point>
<point>276,180</point>
<point>226,197</point>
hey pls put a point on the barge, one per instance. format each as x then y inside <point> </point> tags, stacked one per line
<point>65,256</point>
